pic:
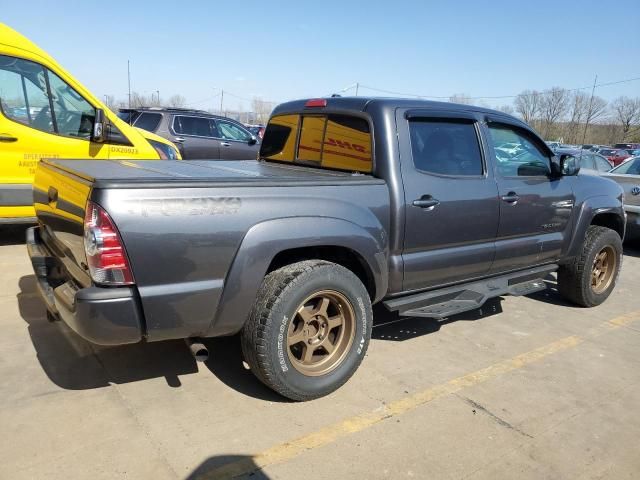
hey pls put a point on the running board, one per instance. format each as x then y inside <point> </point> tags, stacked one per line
<point>445,302</point>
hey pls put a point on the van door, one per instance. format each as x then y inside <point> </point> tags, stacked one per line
<point>40,117</point>
<point>535,208</point>
<point>451,199</point>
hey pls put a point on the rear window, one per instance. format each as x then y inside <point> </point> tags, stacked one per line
<point>341,142</point>
<point>148,121</point>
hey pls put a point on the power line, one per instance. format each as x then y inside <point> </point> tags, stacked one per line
<point>489,97</point>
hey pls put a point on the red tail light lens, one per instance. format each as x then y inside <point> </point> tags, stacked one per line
<point>316,102</point>
<point>106,256</point>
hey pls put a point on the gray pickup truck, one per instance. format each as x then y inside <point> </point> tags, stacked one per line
<point>430,208</point>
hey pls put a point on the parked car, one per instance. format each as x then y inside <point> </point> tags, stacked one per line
<point>628,176</point>
<point>198,134</point>
<point>615,155</point>
<point>588,161</point>
<point>47,113</point>
<point>292,250</point>
<point>627,146</point>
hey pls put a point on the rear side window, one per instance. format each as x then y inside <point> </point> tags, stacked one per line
<point>195,126</point>
<point>148,121</point>
<point>445,147</point>
<point>341,142</point>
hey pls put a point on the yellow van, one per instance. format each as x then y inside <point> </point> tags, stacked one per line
<point>46,113</point>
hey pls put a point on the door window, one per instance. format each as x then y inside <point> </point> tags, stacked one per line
<point>74,116</point>
<point>516,154</point>
<point>231,131</point>
<point>195,126</point>
<point>445,147</point>
<point>23,93</point>
<point>602,164</point>
<point>29,93</point>
<point>148,121</point>
<point>586,161</point>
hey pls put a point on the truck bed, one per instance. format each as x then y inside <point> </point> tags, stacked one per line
<point>115,174</point>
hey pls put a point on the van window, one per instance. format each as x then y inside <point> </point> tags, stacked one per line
<point>29,92</point>
<point>148,121</point>
<point>23,96</point>
<point>74,116</point>
<point>341,142</point>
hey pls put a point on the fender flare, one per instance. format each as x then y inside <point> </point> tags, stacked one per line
<point>589,209</point>
<point>265,240</point>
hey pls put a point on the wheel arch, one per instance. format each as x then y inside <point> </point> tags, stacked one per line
<point>272,244</point>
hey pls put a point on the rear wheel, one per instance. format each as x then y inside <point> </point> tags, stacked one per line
<point>309,329</point>
<point>592,276</point>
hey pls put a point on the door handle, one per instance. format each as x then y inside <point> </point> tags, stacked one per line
<point>4,137</point>
<point>178,140</point>
<point>511,197</point>
<point>426,202</point>
<point>225,144</point>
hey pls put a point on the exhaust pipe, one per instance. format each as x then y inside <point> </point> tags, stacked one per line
<point>198,349</point>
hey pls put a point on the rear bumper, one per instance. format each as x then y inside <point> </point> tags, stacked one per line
<point>105,316</point>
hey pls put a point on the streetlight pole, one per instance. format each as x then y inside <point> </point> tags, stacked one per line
<point>129,81</point>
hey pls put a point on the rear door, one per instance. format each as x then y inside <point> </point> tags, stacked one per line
<point>236,143</point>
<point>196,137</point>
<point>451,199</point>
<point>535,209</point>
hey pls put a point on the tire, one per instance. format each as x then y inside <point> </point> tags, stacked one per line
<point>290,307</point>
<point>576,280</point>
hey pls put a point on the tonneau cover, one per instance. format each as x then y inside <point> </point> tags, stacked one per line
<point>151,173</point>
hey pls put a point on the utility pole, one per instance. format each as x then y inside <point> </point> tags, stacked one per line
<point>221,100</point>
<point>586,123</point>
<point>129,81</point>
<point>158,92</point>
<point>357,87</point>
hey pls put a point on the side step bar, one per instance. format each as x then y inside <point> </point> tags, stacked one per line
<point>445,302</point>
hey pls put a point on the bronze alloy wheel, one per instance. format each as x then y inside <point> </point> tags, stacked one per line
<point>604,269</point>
<point>321,333</point>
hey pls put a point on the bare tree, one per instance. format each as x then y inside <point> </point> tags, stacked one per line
<point>578,104</point>
<point>139,100</point>
<point>261,109</point>
<point>110,102</point>
<point>508,109</point>
<point>627,113</point>
<point>527,105</point>
<point>597,108</point>
<point>460,98</point>
<point>177,101</point>
<point>553,105</point>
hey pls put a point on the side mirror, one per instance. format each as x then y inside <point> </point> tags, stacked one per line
<point>569,165</point>
<point>98,134</point>
<point>253,140</point>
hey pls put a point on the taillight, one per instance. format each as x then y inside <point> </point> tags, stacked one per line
<point>106,256</point>
<point>316,102</point>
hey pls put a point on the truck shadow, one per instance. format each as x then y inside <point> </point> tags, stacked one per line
<point>75,364</point>
<point>13,234</point>
<point>632,250</point>
<point>236,466</point>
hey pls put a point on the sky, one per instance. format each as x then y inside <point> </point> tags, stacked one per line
<point>280,50</point>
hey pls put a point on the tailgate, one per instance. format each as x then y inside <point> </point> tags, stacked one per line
<point>60,198</point>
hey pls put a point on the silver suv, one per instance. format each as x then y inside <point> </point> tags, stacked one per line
<point>198,134</point>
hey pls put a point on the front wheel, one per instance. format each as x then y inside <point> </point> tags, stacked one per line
<point>309,329</point>
<point>591,277</point>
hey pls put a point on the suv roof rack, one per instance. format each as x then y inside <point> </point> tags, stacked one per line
<point>163,109</point>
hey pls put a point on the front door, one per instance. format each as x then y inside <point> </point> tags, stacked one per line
<point>535,208</point>
<point>451,199</point>
<point>236,143</point>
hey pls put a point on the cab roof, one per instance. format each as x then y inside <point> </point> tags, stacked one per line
<point>11,38</point>
<point>381,103</point>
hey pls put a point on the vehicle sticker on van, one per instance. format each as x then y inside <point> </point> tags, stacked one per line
<point>184,206</point>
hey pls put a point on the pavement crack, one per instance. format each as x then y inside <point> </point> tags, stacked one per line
<point>500,421</point>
